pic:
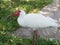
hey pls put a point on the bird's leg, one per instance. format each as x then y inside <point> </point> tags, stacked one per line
<point>58,28</point>
<point>35,35</point>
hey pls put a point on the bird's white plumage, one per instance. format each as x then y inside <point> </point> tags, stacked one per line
<point>51,19</point>
<point>36,20</point>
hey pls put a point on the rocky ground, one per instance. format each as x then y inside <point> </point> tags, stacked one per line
<point>52,10</point>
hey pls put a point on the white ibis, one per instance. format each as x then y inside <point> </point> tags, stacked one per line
<point>34,21</point>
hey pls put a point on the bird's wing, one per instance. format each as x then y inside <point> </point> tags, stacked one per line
<point>38,20</point>
<point>51,19</point>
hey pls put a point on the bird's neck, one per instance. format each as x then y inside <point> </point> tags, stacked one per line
<point>22,15</point>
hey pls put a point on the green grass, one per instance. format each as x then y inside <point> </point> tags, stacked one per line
<point>7,7</point>
<point>10,24</point>
<point>7,39</point>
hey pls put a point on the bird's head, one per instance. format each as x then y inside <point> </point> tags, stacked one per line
<point>18,13</point>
